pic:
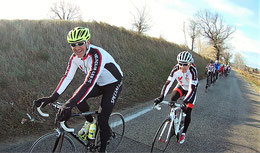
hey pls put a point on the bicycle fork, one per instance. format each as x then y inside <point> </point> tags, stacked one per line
<point>169,132</point>
<point>58,142</point>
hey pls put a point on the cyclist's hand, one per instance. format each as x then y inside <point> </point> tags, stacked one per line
<point>46,100</point>
<point>64,113</point>
<point>158,100</point>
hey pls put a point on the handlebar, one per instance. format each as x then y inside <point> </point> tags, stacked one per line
<point>158,107</point>
<point>62,123</point>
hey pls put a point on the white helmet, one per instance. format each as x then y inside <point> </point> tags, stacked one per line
<point>216,61</point>
<point>185,57</point>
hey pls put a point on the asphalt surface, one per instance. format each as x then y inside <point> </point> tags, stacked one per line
<point>225,119</point>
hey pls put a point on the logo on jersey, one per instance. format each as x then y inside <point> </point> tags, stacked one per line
<point>95,67</point>
<point>180,80</point>
<point>115,94</point>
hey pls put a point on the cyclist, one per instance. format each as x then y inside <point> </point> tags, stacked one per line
<point>210,69</point>
<point>103,77</point>
<point>186,75</point>
<point>222,69</point>
<point>217,69</point>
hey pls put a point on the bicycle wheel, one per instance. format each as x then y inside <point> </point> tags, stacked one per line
<point>46,143</point>
<point>117,125</point>
<point>162,137</point>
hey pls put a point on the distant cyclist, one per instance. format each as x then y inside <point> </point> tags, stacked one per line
<point>210,70</point>
<point>222,69</point>
<point>186,75</point>
<point>103,77</point>
<point>217,69</point>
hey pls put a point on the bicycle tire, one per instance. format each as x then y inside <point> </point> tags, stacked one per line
<point>160,145</point>
<point>117,125</point>
<point>43,144</point>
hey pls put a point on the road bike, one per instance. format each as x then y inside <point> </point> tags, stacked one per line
<point>61,139</point>
<point>209,80</point>
<point>172,125</point>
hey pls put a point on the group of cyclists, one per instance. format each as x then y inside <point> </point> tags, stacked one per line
<point>104,77</point>
<point>214,70</point>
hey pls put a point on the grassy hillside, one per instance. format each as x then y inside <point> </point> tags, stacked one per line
<point>34,56</point>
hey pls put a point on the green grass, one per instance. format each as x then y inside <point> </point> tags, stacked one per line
<point>34,56</point>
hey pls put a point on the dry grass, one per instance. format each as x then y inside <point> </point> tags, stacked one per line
<point>253,78</point>
<point>34,56</point>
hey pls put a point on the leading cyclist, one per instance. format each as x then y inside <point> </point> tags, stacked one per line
<point>186,74</point>
<point>103,77</point>
<point>210,69</point>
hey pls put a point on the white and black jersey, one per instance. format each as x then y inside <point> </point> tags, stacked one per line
<point>98,65</point>
<point>188,81</point>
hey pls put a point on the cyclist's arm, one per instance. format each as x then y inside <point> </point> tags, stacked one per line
<point>191,95</point>
<point>90,80</point>
<point>169,82</point>
<point>68,76</point>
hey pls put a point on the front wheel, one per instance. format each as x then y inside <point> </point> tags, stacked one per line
<point>117,124</point>
<point>46,143</point>
<point>162,137</point>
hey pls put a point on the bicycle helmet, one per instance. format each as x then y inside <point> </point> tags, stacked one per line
<point>78,34</point>
<point>185,57</point>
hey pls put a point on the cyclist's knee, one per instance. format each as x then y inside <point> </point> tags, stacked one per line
<point>83,107</point>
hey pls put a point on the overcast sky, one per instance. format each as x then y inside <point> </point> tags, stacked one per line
<point>167,17</point>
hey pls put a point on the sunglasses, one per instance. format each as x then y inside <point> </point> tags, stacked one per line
<point>183,64</point>
<point>77,44</point>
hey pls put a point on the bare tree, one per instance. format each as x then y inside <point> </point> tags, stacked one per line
<point>239,61</point>
<point>65,11</point>
<point>227,56</point>
<point>193,31</point>
<point>213,28</point>
<point>141,20</point>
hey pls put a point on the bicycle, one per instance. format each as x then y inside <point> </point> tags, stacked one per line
<point>172,125</point>
<point>209,80</point>
<point>60,140</point>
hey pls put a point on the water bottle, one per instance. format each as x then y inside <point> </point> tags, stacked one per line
<point>92,131</point>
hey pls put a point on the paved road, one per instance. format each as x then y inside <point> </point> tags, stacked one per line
<point>226,119</point>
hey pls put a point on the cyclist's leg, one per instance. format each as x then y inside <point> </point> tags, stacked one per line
<point>177,93</point>
<point>84,107</point>
<point>190,106</point>
<point>208,78</point>
<point>187,119</point>
<point>211,77</point>
<point>111,93</point>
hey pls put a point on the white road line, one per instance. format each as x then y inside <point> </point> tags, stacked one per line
<point>131,117</point>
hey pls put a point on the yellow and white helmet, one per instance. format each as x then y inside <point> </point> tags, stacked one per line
<point>78,34</point>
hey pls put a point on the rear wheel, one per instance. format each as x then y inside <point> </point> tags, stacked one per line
<point>162,137</point>
<point>117,125</point>
<point>46,143</point>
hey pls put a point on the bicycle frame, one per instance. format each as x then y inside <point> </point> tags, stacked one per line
<point>63,133</point>
<point>174,120</point>
<point>63,127</point>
